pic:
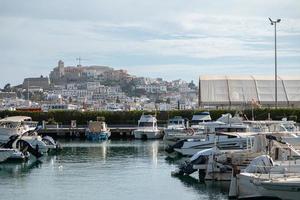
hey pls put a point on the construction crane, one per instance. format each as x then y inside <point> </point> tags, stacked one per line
<point>79,59</point>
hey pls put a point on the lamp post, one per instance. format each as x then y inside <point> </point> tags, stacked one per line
<point>275,23</point>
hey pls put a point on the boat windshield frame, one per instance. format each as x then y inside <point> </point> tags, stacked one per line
<point>147,124</point>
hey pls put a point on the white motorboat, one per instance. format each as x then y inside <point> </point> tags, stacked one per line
<point>36,141</point>
<point>21,148</point>
<point>16,125</point>
<point>175,126</point>
<point>224,140</point>
<point>206,138</point>
<point>283,125</point>
<point>231,125</point>
<point>5,153</point>
<point>177,130</point>
<point>147,128</point>
<point>198,121</point>
<point>39,143</point>
<point>266,178</point>
<point>216,164</point>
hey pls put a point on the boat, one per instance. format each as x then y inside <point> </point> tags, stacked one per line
<point>223,140</point>
<point>147,128</point>
<point>97,130</point>
<point>44,144</point>
<point>204,132</point>
<point>6,153</point>
<point>231,132</point>
<point>16,125</point>
<point>177,130</point>
<point>264,178</point>
<point>282,125</point>
<point>216,164</point>
<point>18,149</point>
<point>198,121</point>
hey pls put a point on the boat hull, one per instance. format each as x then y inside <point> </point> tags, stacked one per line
<point>248,186</point>
<point>97,136</point>
<point>147,134</point>
<point>194,147</point>
<point>171,137</point>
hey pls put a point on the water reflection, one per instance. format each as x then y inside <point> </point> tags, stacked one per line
<point>15,169</point>
<point>154,150</point>
<point>131,169</point>
<point>210,188</point>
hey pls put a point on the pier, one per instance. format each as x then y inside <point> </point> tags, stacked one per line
<point>69,131</point>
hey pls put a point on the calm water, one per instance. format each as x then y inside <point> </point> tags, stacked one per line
<point>126,170</point>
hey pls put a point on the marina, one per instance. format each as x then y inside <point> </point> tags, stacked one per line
<point>112,169</point>
<point>149,100</point>
<point>231,149</point>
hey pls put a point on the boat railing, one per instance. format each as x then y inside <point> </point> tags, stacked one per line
<point>283,172</point>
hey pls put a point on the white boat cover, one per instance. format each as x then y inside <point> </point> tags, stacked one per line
<point>261,164</point>
<point>205,152</point>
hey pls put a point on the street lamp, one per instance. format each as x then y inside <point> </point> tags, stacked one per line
<point>274,23</point>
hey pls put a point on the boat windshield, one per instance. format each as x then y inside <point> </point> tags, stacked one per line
<point>230,129</point>
<point>9,124</point>
<point>31,124</point>
<point>176,122</point>
<point>197,122</point>
<point>145,124</point>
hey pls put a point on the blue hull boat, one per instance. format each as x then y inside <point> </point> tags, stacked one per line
<point>95,136</point>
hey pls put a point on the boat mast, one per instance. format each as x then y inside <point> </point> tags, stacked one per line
<point>28,90</point>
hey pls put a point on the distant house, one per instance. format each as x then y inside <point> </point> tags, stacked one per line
<point>36,82</point>
<point>8,95</point>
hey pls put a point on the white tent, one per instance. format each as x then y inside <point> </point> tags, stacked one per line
<point>246,90</point>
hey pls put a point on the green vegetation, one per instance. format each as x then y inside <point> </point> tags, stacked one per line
<point>131,117</point>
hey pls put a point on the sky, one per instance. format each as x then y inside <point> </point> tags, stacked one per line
<point>171,39</point>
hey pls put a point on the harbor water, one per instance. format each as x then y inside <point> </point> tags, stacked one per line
<point>111,170</point>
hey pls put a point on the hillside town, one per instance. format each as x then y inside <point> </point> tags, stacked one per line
<point>96,88</point>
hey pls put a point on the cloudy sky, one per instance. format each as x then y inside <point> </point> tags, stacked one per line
<point>159,38</point>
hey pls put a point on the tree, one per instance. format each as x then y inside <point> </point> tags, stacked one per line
<point>192,85</point>
<point>7,88</point>
<point>168,100</point>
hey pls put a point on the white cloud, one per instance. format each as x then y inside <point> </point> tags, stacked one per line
<point>35,35</point>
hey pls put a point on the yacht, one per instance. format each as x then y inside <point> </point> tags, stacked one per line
<point>198,121</point>
<point>265,178</point>
<point>147,128</point>
<point>223,140</point>
<point>175,125</point>
<point>16,125</point>
<point>216,164</point>
<point>44,144</point>
<point>97,130</point>
<point>6,153</point>
<point>18,149</point>
<point>177,130</point>
<point>283,125</point>
<point>214,132</point>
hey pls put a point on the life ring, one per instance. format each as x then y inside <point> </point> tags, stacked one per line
<point>190,131</point>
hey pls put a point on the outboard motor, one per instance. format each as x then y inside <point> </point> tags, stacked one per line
<point>199,158</point>
<point>177,145</point>
<point>25,146</point>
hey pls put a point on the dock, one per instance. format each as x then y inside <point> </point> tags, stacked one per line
<point>69,131</point>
